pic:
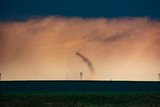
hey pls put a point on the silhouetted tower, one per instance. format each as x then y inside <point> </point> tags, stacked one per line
<point>158,76</point>
<point>81,74</point>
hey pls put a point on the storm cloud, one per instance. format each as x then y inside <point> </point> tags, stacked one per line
<point>120,48</point>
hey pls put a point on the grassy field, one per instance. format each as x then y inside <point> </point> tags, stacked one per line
<point>79,94</point>
<point>73,99</point>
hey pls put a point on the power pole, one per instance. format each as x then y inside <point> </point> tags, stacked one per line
<point>0,76</point>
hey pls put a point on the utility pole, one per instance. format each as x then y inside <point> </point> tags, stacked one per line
<point>0,76</point>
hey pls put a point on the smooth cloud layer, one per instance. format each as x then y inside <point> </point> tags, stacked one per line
<point>44,48</point>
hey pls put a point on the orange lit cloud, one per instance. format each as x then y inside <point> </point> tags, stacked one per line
<point>45,48</point>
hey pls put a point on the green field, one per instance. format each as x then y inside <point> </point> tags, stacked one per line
<point>73,99</point>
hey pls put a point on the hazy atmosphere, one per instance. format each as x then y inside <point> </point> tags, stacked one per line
<point>45,48</point>
<point>88,40</point>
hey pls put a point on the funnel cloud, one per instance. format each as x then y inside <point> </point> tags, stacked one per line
<point>86,60</point>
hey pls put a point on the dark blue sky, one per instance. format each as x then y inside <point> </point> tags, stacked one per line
<point>22,9</point>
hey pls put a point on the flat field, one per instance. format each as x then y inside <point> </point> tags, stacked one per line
<point>79,94</point>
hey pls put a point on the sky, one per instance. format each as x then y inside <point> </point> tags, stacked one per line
<point>22,9</point>
<point>59,39</point>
